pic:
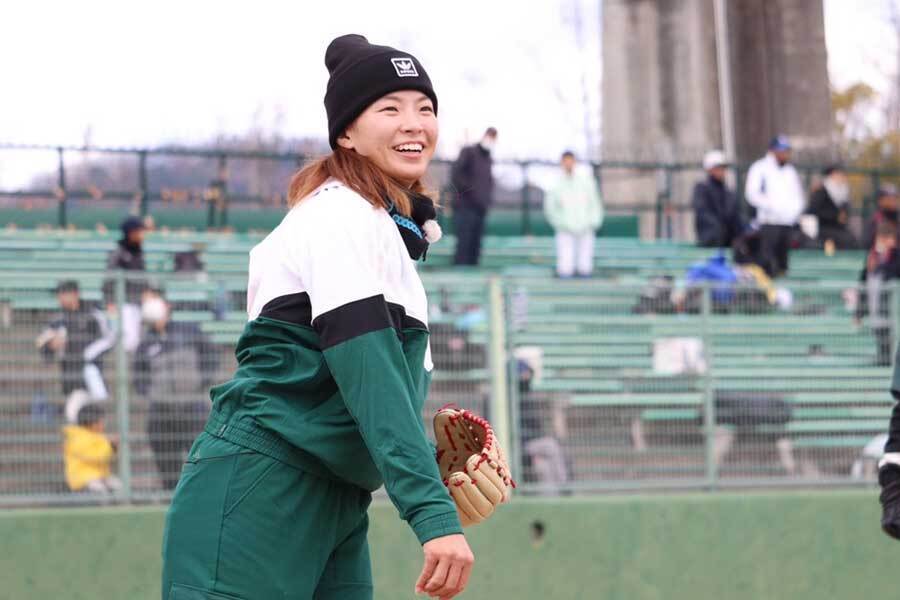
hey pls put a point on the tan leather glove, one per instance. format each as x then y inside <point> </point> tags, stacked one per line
<point>472,464</point>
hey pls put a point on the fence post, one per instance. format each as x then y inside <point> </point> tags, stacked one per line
<point>61,193</point>
<point>498,363</point>
<point>872,204</point>
<point>223,190</point>
<point>526,211</point>
<point>894,316</point>
<point>739,178</point>
<point>514,450</point>
<point>670,233</point>
<point>122,401</point>
<point>597,169</point>
<point>709,403</point>
<point>211,207</point>
<point>142,182</point>
<point>662,192</point>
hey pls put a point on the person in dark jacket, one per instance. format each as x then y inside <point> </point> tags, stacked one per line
<point>174,367</point>
<point>717,216</point>
<point>78,337</point>
<point>129,251</point>
<point>473,183</point>
<point>829,204</point>
<point>887,211</point>
<point>882,265</point>
<point>128,255</point>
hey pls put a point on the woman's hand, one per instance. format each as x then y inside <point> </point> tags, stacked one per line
<point>448,564</point>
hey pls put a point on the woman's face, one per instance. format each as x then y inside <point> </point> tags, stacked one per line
<point>397,132</point>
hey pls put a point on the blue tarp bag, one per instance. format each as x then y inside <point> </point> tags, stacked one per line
<point>716,270</point>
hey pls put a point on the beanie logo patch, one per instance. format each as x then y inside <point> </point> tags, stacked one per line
<point>404,67</point>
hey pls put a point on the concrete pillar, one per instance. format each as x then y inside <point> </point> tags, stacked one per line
<point>661,94</point>
<point>780,77</point>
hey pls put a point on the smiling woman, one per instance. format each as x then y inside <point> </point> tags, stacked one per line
<point>382,125</point>
<point>334,366</point>
<point>382,155</point>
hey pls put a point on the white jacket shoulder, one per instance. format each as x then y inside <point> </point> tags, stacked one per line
<point>333,201</point>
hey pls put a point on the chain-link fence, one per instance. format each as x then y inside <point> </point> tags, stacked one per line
<point>593,384</point>
<point>103,389</point>
<point>667,385</point>
<point>96,400</point>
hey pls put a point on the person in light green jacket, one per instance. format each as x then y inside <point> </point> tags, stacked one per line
<point>574,210</point>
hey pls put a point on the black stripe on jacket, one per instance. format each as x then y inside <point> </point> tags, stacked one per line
<point>344,322</point>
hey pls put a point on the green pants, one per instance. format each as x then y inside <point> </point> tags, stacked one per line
<point>243,526</point>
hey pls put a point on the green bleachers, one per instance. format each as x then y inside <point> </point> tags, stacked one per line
<point>597,354</point>
<point>598,361</point>
<point>228,251</point>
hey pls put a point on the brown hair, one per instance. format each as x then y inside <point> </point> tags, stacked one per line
<point>356,172</point>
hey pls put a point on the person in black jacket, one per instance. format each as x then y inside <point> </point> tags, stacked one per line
<point>717,216</point>
<point>129,251</point>
<point>882,265</point>
<point>887,211</point>
<point>829,204</point>
<point>473,183</point>
<point>78,337</point>
<point>128,255</point>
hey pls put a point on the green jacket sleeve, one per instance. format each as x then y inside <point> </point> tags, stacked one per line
<point>374,380</point>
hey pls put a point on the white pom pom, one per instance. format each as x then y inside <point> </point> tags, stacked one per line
<point>432,231</point>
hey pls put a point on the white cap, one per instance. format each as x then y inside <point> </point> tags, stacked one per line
<point>713,158</point>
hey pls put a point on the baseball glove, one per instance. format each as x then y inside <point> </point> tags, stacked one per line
<point>472,464</point>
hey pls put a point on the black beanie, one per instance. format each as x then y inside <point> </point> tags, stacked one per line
<point>361,73</point>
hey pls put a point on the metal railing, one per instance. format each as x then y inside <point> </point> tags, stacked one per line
<point>593,385</point>
<point>215,182</point>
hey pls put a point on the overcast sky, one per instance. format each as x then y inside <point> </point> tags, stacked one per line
<point>179,71</point>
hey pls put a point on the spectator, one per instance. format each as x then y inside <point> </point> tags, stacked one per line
<point>886,211</point>
<point>474,185</point>
<point>78,337</point>
<point>129,251</point>
<point>575,212</point>
<point>774,188</point>
<point>189,261</point>
<point>174,364</point>
<point>882,265</point>
<point>829,204</point>
<point>543,457</point>
<point>128,255</point>
<point>88,453</point>
<point>717,214</point>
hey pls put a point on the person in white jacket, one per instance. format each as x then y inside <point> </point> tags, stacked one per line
<point>774,189</point>
<point>572,206</point>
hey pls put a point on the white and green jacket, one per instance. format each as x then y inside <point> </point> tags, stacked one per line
<point>334,363</point>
